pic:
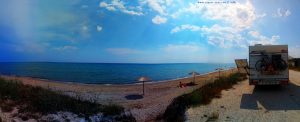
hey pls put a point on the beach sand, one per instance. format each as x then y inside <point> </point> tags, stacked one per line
<point>158,95</point>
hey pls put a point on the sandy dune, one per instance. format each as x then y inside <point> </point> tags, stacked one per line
<point>157,95</point>
<point>249,103</point>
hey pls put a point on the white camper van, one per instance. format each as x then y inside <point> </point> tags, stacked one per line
<point>268,65</point>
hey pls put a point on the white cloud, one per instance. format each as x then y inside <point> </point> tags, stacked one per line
<point>155,5</point>
<point>99,28</point>
<point>233,24</point>
<point>282,13</point>
<point>119,5</point>
<point>233,21</point>
<point>158,6</point>
<point>261,15</point>
<point>187,48</point>
<point>294,51</point>
<point>159,20</point>
<point>169,2</point>
<point>111,8</point>
<point>103,4</point>
<point>123,51</point>
<point>216,35</point>
<point>254,34</point>
<point>257,38</point>
<point>226,36</point>
<point>107,6</point>
<point>66,48</point>
<point>237,15</point>
<point>185,27</point>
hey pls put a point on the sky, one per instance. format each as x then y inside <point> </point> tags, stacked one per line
<point>144,31</point>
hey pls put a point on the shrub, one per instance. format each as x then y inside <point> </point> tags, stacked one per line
<point>39,100</point>
<point>201,96</point>
<point>112,110</point>
<point>294,68</point>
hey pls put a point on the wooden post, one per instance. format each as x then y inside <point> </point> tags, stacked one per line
<point>194,79</point>
<point>143,87</point>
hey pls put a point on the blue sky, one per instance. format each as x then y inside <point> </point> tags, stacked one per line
<point>144,31</point>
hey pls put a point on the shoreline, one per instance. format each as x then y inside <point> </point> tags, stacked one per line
<point>113,84</point>
<point>158,95</point>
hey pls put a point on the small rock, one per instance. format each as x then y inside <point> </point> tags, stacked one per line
<point>204,115</point>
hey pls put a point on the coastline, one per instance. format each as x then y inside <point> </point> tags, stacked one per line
<point>158,95</point>
<point>101,73</point>
<point>113,84</point>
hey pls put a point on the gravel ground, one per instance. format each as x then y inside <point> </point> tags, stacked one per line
<point>248,103</point>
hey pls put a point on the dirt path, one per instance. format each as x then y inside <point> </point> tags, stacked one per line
<point>249,103</point>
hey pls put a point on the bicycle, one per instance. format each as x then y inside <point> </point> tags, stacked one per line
<point>270,64</point>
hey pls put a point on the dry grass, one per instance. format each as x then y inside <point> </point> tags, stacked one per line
<point>31,100</point>
<point>201,96</point>
<point>7,105</point>
<point>295,68</point>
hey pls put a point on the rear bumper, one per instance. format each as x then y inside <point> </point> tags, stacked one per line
<point>284,81</point>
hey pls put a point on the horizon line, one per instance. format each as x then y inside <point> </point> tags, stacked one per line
<point>114,62</point>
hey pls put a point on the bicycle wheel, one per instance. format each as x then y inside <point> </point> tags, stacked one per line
<point>260,65</point>
<point>281,65</point>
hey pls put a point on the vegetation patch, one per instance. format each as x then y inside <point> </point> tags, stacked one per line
<point>112,110</point>
<point>294,68</point>
<point>202,96</point>
<point>31,100</point>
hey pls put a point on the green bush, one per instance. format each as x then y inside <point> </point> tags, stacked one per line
<point>39,100</point>
<point>201,96</point>
<point>113,110</point>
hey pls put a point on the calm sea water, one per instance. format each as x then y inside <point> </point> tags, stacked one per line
<point>105,73</point>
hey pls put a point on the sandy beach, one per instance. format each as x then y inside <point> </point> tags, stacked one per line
<point>158,95</point>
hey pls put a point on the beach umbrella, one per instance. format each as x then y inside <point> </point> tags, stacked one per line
<point>194,75</point>
<point>143,79</point>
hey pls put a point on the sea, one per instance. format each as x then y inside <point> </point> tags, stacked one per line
<point>107,73</point>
